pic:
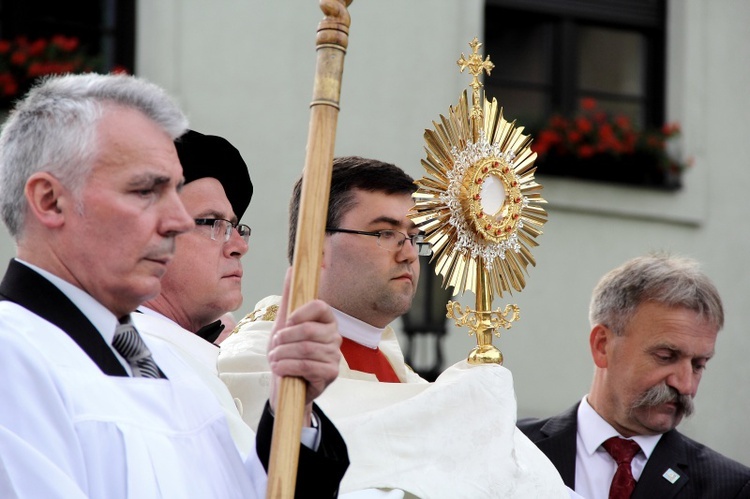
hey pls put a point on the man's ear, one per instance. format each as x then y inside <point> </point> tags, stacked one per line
<point>599,340</point>
<point>44,194</point>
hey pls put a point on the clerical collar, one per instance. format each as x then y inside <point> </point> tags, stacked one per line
<point>358,331</point>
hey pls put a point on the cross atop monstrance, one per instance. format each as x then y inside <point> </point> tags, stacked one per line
<point>476,66</point>
<point>479,207</point>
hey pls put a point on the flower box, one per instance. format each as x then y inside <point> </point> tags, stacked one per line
<point>608,148</point>
<point>636,169</point>
<point>22,61</point>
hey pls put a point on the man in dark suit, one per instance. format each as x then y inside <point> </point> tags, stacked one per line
<point>654,322</point>
<point>89,190</point>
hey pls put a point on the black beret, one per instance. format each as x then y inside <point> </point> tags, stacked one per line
<point>210,156</point>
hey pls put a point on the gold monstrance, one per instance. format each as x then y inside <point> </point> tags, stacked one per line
<point>479,206</point>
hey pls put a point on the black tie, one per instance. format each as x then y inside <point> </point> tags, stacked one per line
<point>133,349</point>
<point>211,331</point>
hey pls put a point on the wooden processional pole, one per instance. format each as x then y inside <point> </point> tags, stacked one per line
<point>331,43</point>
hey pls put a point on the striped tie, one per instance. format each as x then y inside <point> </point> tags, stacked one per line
<point>131,346</point>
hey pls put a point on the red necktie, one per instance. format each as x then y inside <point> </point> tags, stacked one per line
<point>622,451</point>
<point>368,360</point>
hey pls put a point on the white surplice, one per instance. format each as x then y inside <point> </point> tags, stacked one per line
<point>452,438</point>
<point>201,356</point>
<point>67,430</point>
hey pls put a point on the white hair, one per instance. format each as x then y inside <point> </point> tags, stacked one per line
<point>53,129</point>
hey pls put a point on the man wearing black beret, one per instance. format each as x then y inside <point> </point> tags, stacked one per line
<point>203,282</point>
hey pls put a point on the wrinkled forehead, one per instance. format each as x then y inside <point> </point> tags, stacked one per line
<point>125,138</point>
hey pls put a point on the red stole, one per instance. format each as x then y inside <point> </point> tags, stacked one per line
<point>368,360</point>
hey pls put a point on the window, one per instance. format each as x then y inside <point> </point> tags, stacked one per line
<point>687,206</point>
<point>549,55</point>
<point>105,27</point>
<point>41,37</point>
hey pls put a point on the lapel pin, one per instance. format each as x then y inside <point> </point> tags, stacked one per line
<point>671,475</point>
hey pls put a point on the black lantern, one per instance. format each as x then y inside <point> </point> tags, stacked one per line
<point>425,324</point>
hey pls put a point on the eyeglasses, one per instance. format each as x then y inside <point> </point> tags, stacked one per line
<point>221,229</point>
<point>392,240</point>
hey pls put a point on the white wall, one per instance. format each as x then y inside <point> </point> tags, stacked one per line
<point>244,70</point>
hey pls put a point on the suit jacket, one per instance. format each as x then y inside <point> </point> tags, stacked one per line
<point>319,473</point>
<point>704,473</point>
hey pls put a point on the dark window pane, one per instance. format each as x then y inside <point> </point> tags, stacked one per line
<point>528,107</point>
<point>611,61</point>
<point>521,50</point>
<point>633,110</point>
<point>549,55</point>
<point>105,28</point>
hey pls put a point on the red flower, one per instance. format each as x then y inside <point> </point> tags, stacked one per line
<point>8,85</point>
<point>546,140</point>
<point>622,121</point>
<point>36,69</point>
<point>588,103</point>
<point>574,136</point>
<point>584,124</point>
<point>37,48</point>
<point>606,133</point>
<point>25,61</point>
<point>670,129</point>
<point>597,133</point>
<point>628,142</point>
<point>558,121</point>
<point>66,44</point>
<point>19,58</point>
<point>586,151</point>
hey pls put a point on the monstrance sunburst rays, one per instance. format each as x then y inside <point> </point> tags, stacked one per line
<point>479,206</point>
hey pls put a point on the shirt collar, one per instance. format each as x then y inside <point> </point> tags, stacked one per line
<point>358,331</point>
<point>103,320</point>
<point>594,430</point>
<point>150,311</point>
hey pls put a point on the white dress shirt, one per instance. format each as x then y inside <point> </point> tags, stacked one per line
<point>595,468</point>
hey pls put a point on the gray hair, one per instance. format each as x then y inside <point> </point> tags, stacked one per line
<point>54,129</point>
<point>663,279</point>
